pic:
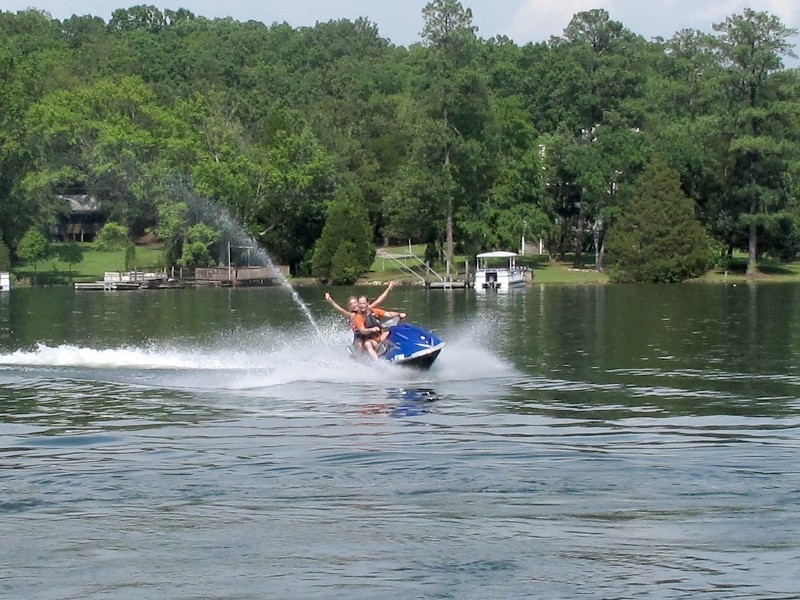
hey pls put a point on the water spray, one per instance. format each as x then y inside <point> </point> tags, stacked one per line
<point>216,215</point>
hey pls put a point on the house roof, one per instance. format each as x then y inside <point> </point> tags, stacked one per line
<point>82,203</point>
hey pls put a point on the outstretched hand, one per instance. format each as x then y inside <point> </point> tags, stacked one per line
<point>328,296</point>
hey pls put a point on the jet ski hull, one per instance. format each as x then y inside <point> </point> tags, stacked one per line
<point>410,346</point>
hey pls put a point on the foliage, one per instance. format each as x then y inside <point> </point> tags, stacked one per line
<point>70,253</point>
<point>596,149</point>
<point>173,217</point>
<point>718,256</point>
<point>658,239</point>
<point>762,121</point>
<point>455,99</point>
<point>110,139</point>
<point>5,256</point>
<point>33,247</point>
<point>344,251</point>
<point>345,269</point>
<point>196,252</point>
<point>113,236</point>
<point>130,255</point>
<point>457,143</point>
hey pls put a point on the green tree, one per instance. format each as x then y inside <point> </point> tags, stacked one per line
<point>516,204</point>
<point>196,251</point>
<point>595,83</point>
<point>34,61</point>
<point>658,237</point>
<point>33,247</point>
<point>291,180</point>
<point>222,155</point>
<point>173,220</point>
<point>761,119</point>
<point>344,251</point>
<point>112,237</point>
<point>71,253</point>
<point>452,88</point>
<point>110,139</point>
<point>685,117</point>
<point>5,255</point>
<point>344,264</point>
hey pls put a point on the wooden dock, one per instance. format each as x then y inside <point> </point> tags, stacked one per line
<point>102,286</point>
<point>160,280</point>
<point>240,276</point>
<point>456,284</point>
<point>131,280</point>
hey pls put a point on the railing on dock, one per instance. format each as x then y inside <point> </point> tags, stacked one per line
<point>226,276</point>
<point>416,263</point>
<point>413,264</point>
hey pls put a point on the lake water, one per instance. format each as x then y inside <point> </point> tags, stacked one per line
<point>570,442</point>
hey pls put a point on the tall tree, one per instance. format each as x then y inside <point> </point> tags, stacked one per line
<point>34,61</point>
<point>750,47</point>
<point>685,115</point>
<point>515,204</point>
<point>292,178</point>
<point>450,38</point>
<point>603,76</point>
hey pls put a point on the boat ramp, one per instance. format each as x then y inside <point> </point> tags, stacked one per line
<point>422,271</point>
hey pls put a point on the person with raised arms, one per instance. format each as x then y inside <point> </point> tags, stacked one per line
<point>352,304</point>
<point>367,324</point>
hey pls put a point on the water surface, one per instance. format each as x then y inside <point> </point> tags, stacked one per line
<point>597,442</point>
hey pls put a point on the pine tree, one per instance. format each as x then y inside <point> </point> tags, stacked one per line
<point>344,251</point>
<point>658,238</point>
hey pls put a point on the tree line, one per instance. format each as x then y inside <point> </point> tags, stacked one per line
<point>323,141</point>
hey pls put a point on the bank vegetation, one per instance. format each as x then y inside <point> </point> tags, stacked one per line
<point>459,143</point>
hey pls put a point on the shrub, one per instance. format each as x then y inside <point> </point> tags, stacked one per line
<point>112,237</point>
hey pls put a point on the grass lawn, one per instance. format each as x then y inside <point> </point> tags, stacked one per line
<point>92,267</point>
<point>769,270</point>
<point>552,271</point>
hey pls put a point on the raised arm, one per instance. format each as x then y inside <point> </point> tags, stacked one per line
<point>379,300</point>
<point>336,307</point>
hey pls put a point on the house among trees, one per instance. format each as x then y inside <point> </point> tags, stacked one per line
<point>82,219</point>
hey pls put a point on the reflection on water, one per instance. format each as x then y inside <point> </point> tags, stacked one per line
<point>570,442</point>
<point>410,402</point>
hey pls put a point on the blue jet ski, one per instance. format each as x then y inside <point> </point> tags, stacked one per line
<point>409,345</point>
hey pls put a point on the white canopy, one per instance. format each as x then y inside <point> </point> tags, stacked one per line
<point>498,254</point>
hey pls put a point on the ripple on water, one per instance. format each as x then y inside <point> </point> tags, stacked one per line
<point>145,482</point>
